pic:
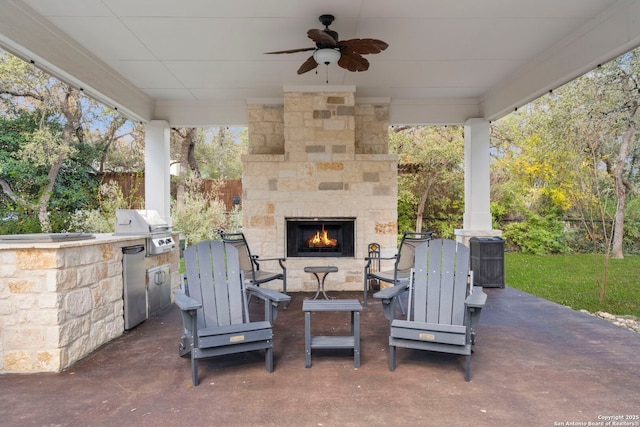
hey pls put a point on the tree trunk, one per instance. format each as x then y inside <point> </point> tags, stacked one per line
<point>421,204</point>
<point>621,189</point>
<point>191,152</point>
<point>47,191</point>
<point>187,160</point>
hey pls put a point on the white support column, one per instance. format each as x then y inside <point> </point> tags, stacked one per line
<point>477,188</point>
<point>157,162</point>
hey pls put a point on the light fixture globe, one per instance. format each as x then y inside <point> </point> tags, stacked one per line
<point>326,56</point>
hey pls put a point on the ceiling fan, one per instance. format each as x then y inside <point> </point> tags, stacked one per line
<point>328,49</point>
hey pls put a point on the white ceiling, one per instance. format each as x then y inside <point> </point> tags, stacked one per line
<point>199,62</point>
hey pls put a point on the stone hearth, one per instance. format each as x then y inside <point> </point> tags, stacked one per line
<point>320,155</point>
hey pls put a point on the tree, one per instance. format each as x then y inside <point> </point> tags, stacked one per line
<point>616,88</point>
<point>56,142</point>
<point>185,143</point>
<point>434,156</point>
<point>23,86</point>
<point>219,154</point>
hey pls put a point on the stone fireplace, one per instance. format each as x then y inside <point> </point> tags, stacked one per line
<point>320,159</point>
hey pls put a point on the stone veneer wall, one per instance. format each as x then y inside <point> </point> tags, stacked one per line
<point>58,304</point>
<point>319,155</point>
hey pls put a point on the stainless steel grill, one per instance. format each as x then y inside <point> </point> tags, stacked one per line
<point>148,223</point>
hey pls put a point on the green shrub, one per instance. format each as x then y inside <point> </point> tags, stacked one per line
<point>103,218</point>
<point>199,217</point>
<point>536,235</point>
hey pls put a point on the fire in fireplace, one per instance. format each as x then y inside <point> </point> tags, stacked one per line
<point>320,237</point>
<point>321,240</point>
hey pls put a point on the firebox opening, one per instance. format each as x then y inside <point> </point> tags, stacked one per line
<point>320,237</point>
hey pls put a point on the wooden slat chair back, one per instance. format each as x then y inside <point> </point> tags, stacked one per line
<point>215,268</point>
<point>403,262</point>
<point>441,275</point>
<point>215,309</point>
<point>443,308</point>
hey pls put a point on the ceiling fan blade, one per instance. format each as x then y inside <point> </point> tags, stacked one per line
<point>308,65</point>
<point>321,38</point>
<point>352,61</point>
<point>304,49</point>
<point>364,46</point>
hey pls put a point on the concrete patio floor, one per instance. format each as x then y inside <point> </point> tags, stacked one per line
<point>536,364</point>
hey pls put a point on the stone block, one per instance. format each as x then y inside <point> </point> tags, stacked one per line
<point>319,157</point>
<point>297,102</point>
<point>344,110</point>
<point>364,110</point>
<point>335,124</point>
<point>262,221</point>
<point>78,302</point>
<point>328,186</point>
<point>6,307</point>
<point>23,337</point>
<point>90,255</point>
<point>321,114</point>
<point>273,113</point>
<point>36,259</point>
<point>381,190</point>
<point>297,184</point>
<point>66,279</point>
<point>71,330</point>
<point>48,361</point>
<point>330,166</point>
<point>98,334</point>
<point>25,301</point>
<point>371,177</point>
<point>20,286</point>
<point>45,317</point>
<point>338,148</point>
<point>315,149</point>
<point>386,228</point>
<point>381,113</point>
<point>77,350</point>
<point>18,361</point>
<point>111,289</point>
<point>107,252</point>
<point>48,300</point>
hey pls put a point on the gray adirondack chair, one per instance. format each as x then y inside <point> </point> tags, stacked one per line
<point>443,307</point>
<point>250,264</point>
<point>402,264</point>
<point>215,310</point>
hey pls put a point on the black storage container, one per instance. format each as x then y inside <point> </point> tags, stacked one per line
<point>487,261</point>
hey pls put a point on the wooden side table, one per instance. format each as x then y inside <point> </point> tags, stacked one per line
<point>320,342</point>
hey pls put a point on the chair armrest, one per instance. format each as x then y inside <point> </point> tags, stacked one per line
<point>389,297</point>
<point>368,258</point>
<point>184,302</point>
<point>257,258</point>
<point>391,292</point>
<point>477,298</point>
<point>268,294</point>
<point>272,300</point>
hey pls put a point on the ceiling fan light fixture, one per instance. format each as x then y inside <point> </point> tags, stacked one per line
<point>326,56</point>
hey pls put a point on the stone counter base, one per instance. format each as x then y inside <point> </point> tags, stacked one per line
<point>61,301</point>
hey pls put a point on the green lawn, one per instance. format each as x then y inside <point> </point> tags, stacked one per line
<point>571,280</point>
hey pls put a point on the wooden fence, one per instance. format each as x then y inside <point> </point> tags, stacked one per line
<point>132,186</point>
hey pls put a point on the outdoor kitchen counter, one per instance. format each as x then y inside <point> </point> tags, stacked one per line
<point>61,300</point>
<point>100,238</point>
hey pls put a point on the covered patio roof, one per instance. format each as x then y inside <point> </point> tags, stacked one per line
<point>199,63</point>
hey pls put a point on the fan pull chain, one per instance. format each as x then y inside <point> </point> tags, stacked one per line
<point>327,73</point>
